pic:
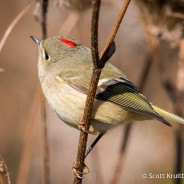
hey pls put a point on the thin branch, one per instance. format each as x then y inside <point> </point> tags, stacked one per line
<point>43,105</point>
<point>91,94</point>
<point>115,28</point>
<point>44,18</point>
<point>97,67</point>
<point>14,22</point>
<point>94,34</point>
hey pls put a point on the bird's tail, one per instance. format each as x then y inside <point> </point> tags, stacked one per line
<point>168,115</point>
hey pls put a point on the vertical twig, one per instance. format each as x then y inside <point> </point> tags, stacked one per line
<point>43,105</point>
<point>97,67</point>
<point>44,18</point>
<point>92,91</point>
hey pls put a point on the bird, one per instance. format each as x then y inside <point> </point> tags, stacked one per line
<point>65,68</point>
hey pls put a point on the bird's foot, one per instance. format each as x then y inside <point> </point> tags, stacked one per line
<point>77,173</point>
<point>82,127</point>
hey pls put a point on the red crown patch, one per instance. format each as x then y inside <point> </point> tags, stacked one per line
<point>68,42</point>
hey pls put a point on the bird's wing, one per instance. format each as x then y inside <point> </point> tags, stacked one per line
<point>119,91</point>
<point>126,94</point>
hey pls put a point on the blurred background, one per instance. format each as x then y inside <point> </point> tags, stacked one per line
<point>149,50</point>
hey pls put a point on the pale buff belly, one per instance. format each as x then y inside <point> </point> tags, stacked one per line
<point>68,104</point>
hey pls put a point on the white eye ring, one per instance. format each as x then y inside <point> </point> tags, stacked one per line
<point>46,56</point>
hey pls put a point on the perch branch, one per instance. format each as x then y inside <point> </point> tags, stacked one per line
<point>91,94</point>
<point>98,64</point>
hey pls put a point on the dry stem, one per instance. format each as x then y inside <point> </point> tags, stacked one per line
<point>97,67</point>
<point>115,28</point>
<point>44,18</point>
<point>92,91</point>
<point>43,105</point>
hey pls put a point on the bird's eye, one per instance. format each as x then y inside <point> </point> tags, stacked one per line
<point>46,56</point>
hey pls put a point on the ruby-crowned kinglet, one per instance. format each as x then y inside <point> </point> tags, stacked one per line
<point>65,68</point>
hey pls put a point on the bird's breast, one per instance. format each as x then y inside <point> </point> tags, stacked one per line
<point>68,103</point>
<point>64,100</point>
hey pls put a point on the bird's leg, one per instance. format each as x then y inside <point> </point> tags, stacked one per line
<point>94,143</point>
<point>75,167</point>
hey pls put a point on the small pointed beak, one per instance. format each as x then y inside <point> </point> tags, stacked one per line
<point>36,40</point>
